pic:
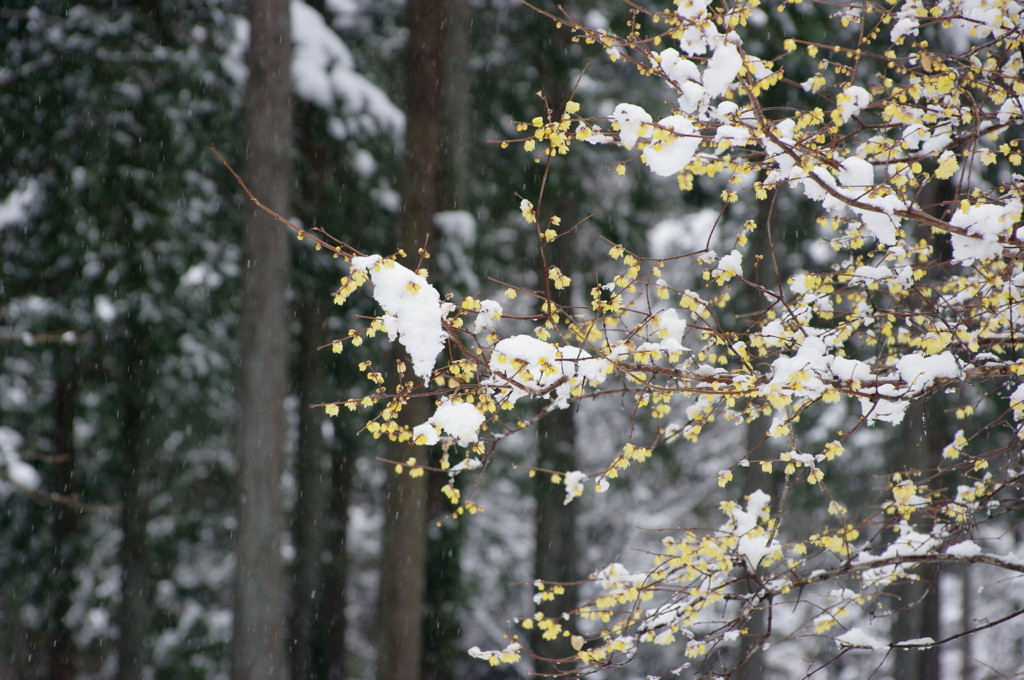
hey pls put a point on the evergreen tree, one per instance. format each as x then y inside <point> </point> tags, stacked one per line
<point>107,112</point>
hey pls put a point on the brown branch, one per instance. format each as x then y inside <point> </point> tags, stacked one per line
<point>342,249</point>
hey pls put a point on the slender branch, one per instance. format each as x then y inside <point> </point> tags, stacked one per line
<point>342,249</point>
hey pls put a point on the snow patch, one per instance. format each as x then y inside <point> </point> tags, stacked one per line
<point>964,549</point>
<point>630,118</point>
<point>458,419</point>
<point>523,365</point>
<point>666,157</point>
<point>921,372</point>
<point>984,225</point>
<point>855,637</point>
<point>16,208</point>
<point>412,310</point>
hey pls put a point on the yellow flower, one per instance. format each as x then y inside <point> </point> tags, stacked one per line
<point>560,280</point>
<point>947,165</point>
<point>904,491</point>
<point>526,208</point>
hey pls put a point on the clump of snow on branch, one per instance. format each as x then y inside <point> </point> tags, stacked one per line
<point>754,544</point>
<point>459,420</point>
<point>490,314</point>
<point>525,366</point>
<point>984,226</point>
<point>921,372</point>
<point>674,141</point>
<point>510,654</point>
<point>412,310</point>
<point>856,637</point>
<point>574,485</point>
<point>631,120</point>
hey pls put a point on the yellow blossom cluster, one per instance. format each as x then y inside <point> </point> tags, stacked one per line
<point>555,135</point>
<point>899,155</point>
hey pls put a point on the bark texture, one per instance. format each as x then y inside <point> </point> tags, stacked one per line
<point>64,519</point>
<point>260,586</point>
<point>403,555</point>
<point>556,523</point>
<point>311,481</point>
<point>134,612</point>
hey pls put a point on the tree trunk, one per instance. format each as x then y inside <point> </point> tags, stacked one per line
<point>443,657</point>
<point>920,600</point>
<point>966,622</point>
<point>403,558</point>
<point>336,564</point>
<point>311,476</point>
<point>444,596</point>
<point>403,568</point>
<point>555,550</point>
<point>458,105</point>
<point>555,523</point>
<point>749,657</point>
<point>64,523</point>
<point>310,634</point>
<point>136,591</point>
<point>260,612</point>
<point>424,109</point>
<point>924,435</point>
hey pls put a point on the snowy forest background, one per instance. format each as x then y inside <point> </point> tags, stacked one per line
<point>121,407</point>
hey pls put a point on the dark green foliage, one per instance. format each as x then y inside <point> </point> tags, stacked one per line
<point>123,261</point>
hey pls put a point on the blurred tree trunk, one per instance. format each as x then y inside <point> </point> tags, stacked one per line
<point>442,654</point>
<point>751,304</point>
<point>920,614</point>
<point>64,518</point>
<point>311,482</point>
<point>555,551</point>
<point>924,435</point>
<point>322,476</point>
<point>309,616</point>
<point>260,586</point>
<point>403,554</point>
<point>335,572</point>
<point>555,523</point>
<point>458,106</point>
<point>403,566</point>
<point>966,622</point>
<point>133,614</point>
<point>444,596</point>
